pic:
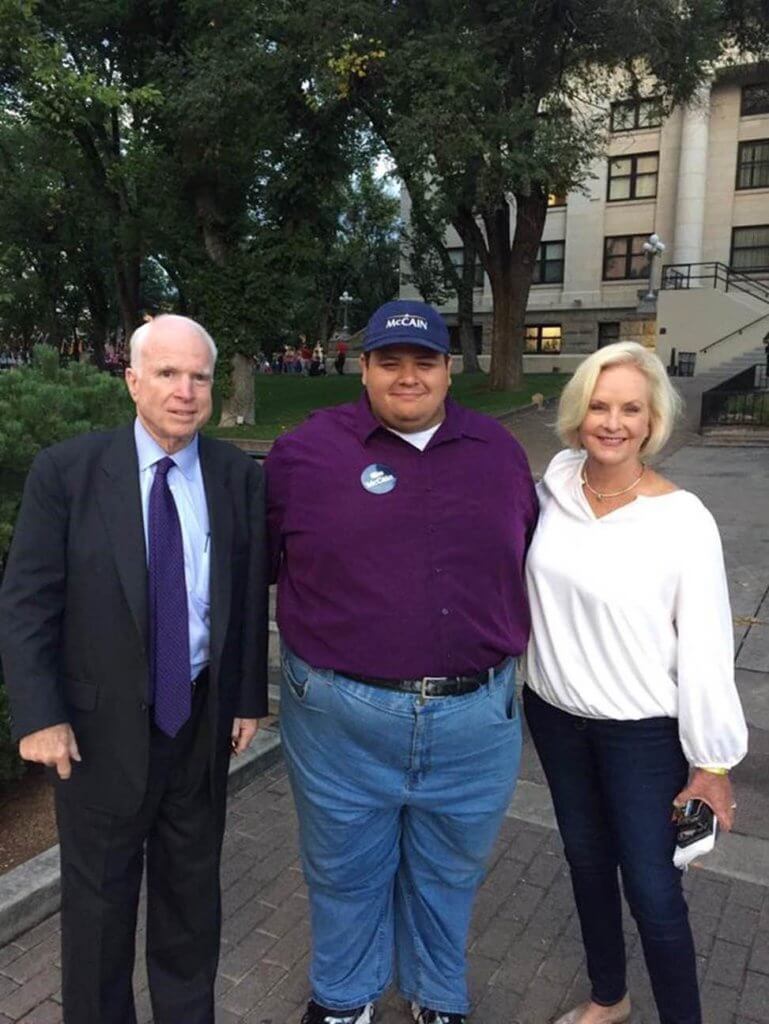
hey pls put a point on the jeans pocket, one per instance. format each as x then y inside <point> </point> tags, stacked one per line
<point>511,701</point>
<point>505,697</point>
<point>296,674</point>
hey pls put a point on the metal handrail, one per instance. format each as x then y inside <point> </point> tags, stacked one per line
<point>738,330</point>
<point>676,276</point>
<point>734,408</point>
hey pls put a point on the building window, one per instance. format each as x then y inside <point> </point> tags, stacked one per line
<point>457,257</point>
<point>549,266</point>
<point>753,164</point>
<point>608,333</point>
<point>556,199</point>
<point>755,99</point>
<point>633,177</point>
<point>543,339</point>
<point>750,248</point>
<point>628,115</point>
<point>624,257</point>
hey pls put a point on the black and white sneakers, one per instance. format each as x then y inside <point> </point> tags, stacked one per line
<point>424,1015</point>
<point>317,1014</point>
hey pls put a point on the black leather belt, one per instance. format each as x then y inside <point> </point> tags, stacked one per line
<point>428,686</point>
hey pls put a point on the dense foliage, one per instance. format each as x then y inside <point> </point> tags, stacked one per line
<point>168,156</point>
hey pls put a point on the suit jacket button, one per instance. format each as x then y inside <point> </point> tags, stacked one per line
<point>142,706</point>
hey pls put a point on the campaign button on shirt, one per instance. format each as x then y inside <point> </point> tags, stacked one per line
<point>378,478</point>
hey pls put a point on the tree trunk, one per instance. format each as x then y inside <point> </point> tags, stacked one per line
<point>127,281</point>
<point>238,406</point>
<point>98,310</point>
<point>510,272</point>
<point>465,296</point>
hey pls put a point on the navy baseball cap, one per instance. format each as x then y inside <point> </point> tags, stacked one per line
<point>406,322</point>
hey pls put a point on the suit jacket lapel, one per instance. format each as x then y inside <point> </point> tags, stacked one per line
<point>119,498</point>
<point>220,522</point>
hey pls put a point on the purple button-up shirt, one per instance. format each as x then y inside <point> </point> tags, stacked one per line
<point>396,562</point>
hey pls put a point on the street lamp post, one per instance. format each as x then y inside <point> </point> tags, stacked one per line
<point>653,248</point>
<point>345,298</point>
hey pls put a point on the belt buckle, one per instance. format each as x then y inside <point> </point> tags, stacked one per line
<point>423,696</point>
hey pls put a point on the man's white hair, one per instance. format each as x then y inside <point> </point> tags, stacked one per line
<point>141,335</point>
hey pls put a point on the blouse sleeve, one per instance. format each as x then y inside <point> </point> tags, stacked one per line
<point>711,721</point>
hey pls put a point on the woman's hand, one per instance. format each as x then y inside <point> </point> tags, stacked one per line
<point>715,790</point>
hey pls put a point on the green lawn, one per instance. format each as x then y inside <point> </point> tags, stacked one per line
<point>284,401</point>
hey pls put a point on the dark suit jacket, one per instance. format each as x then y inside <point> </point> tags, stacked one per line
<point>73,608</point>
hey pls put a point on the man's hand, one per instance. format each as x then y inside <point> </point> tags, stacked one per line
<point>55,746</point>
<point>243,731</point>
<point>715,790</point>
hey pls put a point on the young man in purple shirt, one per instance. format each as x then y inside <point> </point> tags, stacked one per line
<point>399,525</point>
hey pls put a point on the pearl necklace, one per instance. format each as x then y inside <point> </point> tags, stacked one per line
<point>602,495</point>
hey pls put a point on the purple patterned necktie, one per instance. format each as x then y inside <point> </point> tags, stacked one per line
<point>169,623</point>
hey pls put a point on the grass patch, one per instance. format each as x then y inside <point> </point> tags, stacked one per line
<point>285,400</point>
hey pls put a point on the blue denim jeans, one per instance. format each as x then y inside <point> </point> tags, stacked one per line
<point>399,803</point>
<point>613,785</point>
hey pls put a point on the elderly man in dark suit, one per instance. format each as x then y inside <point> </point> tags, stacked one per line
<point>133,629</point>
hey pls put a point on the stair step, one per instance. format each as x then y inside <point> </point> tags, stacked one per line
<point>750,437</point>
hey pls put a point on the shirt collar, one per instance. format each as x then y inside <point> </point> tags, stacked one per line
<point>149,452</point>
<point>456,424</point>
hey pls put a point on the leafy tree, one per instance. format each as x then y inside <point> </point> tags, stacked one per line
<point>488,107</point>
<point>252,169</point>
<point>75,69</point>
<point>359,254</point>
<point>53,245</point>
<point>209,167</point>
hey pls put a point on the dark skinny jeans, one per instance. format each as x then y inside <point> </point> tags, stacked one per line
<point>613,784</point>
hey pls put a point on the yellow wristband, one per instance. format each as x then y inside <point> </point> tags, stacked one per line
<point>715,771</point>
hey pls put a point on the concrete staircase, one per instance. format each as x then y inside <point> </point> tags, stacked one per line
<point>725,330</point>
<point>724,327</point>
<point>730,367</point>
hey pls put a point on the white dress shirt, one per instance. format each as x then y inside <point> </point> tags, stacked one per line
<point>630,614</point>
<point>185,481</point>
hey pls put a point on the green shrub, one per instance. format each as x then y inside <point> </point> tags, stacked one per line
<point>11,765</point>
<point>40,405</point>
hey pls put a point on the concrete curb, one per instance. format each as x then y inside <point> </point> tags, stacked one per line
<point>735,855</point>
<point>31,892</point>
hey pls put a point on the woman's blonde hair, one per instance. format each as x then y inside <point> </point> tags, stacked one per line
<point>664,401</point>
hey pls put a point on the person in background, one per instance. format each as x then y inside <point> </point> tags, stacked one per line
<point>305,349</point>
<point>631,699</point>
<point>398,528</point>
<point>318,362</point>
<point>341,355</point>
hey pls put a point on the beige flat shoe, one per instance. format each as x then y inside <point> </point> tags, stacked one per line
<point>617,1014</point>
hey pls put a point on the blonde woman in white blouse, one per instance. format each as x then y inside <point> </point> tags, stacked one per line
<point>631,699</point>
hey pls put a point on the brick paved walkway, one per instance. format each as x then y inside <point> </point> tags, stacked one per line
<point>525,955</point>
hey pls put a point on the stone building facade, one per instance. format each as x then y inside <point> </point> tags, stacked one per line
<point>698,178</point>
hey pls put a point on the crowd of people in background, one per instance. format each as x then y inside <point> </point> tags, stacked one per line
<point>301,359</point>
<point>10,358</point>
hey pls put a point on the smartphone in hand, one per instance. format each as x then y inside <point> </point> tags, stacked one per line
<point>696,830</point>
